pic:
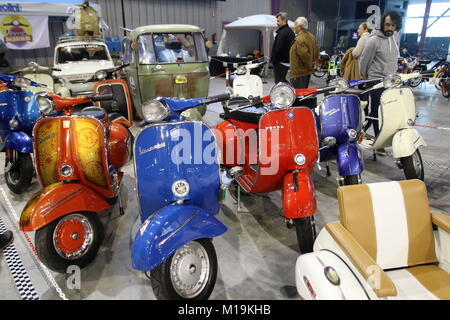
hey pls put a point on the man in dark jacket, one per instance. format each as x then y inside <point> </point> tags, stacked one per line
<point>281,46</point>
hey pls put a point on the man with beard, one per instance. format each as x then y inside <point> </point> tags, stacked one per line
<point>280,48</point>
<point>379,59</point>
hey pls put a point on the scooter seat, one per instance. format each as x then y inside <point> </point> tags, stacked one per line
<point>251,117</point>
<point>424,61</point>
<point>94,112</point>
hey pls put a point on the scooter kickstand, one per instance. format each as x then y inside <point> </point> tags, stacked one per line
<point>239,198</point>
<point>328,170</point>
<point>121,211</point>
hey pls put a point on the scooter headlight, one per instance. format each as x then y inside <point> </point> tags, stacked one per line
<point>21,82</point>
<point>340,85</point>
<point>352,133</point>
<point>66,171</point>
<point>282,95</point>
<point>100,75</point>
<point>392,81</point>
<point>45,104</point>
<point>180,188</point>
<point>155,110</point>
<point>13,123</point>
<point>241,70</point>
<point>300,159</point>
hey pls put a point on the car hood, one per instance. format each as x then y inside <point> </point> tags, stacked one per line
<point>81,67</point>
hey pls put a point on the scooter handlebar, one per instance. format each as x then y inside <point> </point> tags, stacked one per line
<point>218,98</point>
<point>102,97</point>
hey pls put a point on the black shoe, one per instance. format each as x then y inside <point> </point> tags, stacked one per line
<point>5,239</point>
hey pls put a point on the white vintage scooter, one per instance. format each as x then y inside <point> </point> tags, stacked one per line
<point>386,245</point>
<point>244,84</point>
<point>397,116</point>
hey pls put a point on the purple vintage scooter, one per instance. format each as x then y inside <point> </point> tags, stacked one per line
<point>339,120</point>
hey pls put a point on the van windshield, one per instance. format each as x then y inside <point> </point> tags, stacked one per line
<point>171,48</point>
<point>82,52</point>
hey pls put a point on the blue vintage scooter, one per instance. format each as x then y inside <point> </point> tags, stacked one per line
<point>18,114</point>
<point>178,184</point>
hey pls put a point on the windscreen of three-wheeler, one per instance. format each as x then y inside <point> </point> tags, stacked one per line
<point>160,48</point>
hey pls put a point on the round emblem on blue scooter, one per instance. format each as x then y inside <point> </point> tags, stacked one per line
<point>291,115</point>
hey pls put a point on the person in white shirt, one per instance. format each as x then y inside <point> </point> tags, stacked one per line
<point>364,34</point>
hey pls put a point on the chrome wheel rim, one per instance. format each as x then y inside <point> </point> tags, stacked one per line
<point>77,228</point>
<point>190,269</point>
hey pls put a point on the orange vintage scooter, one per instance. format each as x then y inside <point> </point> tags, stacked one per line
<point>78,160</point>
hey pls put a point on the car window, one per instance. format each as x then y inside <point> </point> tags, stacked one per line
<point>84,52</point>
<point>127,56</point>
<point>171,48</point>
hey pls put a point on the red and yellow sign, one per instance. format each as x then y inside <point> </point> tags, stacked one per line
<point>16,29</point>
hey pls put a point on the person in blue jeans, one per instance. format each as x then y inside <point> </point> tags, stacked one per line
<point>5,239</point>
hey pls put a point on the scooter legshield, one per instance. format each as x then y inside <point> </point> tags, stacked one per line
<point>19,141</point>
<point>349,159</point>
<point>299,196</point>
<point>57,200</point>
<point>169,229</point>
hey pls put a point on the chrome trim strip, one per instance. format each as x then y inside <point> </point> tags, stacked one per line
<point>63,199</point>
<point>178,229</point>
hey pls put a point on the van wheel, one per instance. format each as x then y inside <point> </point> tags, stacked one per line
<point>73,239</point>
<point>189,274</point>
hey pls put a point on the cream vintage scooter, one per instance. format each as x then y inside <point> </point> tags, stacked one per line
<point>244,84</point>
<point>397,117</point>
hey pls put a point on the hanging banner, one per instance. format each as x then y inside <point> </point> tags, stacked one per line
<point>24,32</point>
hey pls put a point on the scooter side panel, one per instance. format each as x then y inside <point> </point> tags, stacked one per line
<point>8,110</point>
<point>169,152</point>
<point>19,141</point>
<point>27,110</point>
<point>349,159</point>
<point>56,200</point>
<point>46,147</point>
<point>299,196</point>
<point>168,230</point>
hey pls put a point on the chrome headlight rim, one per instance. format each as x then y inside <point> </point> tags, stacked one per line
<point>352,133</point>
<point>392,81</point>
<point>155,110</point>
<point>180,184</point>
<point>45,104</point>
<point>300,159</point>
<point>22,82</point>
<point>241,70</point>
<point>66,170</point>
<point>286,101</point>
<point>101,75</point>
<point>340,85</point>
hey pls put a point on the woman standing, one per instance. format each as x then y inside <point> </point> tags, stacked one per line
<point>364,33</point>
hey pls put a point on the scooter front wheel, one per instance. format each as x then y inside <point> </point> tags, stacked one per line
<point>351,180</point>
<point>73,239</point>
<point>18,176</point>
<point>189,274</point>
<point>413,166</point>
<point>306,233</point>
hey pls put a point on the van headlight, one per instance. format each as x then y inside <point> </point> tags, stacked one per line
<point>45,104</point>
<point>100,75</point>
<point>282,95</point>
<point>392,81</point>
<point>155,110</point>
<point>22,82</point>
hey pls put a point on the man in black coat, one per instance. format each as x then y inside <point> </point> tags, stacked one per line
<point>281,45</point>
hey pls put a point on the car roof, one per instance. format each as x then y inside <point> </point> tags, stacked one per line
<point>165,28</point>
<point>77,43</point>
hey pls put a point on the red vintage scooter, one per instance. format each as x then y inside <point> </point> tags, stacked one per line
<point>275,146</point>
<point>78,160</point>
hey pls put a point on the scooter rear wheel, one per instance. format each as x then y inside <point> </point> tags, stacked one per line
<point>189,274</point>
<point>73,239</point>
<point>18,178</point>
<point>445,90</point>
<point>306,233</point>
<point>413,166</point>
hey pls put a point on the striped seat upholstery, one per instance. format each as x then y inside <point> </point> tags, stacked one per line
<point>391,221</point>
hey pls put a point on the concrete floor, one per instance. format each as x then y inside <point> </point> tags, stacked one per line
<point>257,254</point>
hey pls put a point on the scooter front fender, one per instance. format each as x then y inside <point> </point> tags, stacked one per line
<point>57,200</point>
<point>349,159</point>
<point>299,196</point>
<point>167,230</point>
<point>406,142</point>
<point>18,140</point>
